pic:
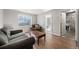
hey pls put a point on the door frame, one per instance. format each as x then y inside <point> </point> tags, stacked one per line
<point>75,22</point>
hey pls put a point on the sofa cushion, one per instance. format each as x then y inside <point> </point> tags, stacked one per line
<point>3,38</point>
<point>18,39</point>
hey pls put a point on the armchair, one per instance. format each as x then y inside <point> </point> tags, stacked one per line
<point>36,27</point>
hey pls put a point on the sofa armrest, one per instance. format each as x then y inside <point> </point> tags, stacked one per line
<point>21,44</point>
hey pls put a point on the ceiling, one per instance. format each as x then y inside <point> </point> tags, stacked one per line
<point>40,11</point>
<point>33,11</point>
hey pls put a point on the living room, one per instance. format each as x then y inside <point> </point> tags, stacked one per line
<point>38,23</point>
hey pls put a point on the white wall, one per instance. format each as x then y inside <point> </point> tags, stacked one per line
<point>1,18</point>
<point>77,26</point>
<point>56,17</point>
<point>11,18</point>
<point>56,23</point>
<point>41,20</point>
<point>63,24</point>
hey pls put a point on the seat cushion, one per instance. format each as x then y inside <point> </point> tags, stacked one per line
<point>3,38</point>
<point>20,38</point>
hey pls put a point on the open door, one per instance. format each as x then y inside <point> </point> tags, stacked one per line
<point>68,25</point>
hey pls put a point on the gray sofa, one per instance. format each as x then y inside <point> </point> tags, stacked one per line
<point>15,41</point>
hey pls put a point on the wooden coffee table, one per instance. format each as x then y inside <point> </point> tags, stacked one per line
<point>39,35</point>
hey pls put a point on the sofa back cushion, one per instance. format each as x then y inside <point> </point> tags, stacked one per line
<point>6,29</point>
<point>3,38</point>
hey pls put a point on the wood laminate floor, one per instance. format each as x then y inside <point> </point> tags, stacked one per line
<point>55,42</point>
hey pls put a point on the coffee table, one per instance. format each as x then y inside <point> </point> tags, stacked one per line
<point>39,35</point>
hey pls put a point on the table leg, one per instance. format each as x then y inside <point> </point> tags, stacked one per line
<point>44,39</point>
<point>38,41</point>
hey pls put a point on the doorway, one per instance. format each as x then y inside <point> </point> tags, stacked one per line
<point>68,25</point>
<point>48,24</point>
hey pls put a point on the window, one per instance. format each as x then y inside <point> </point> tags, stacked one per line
<point>24,20</point>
